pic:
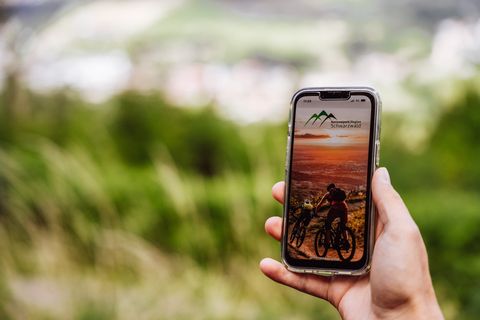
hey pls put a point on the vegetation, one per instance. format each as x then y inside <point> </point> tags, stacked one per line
<point>141,210</point>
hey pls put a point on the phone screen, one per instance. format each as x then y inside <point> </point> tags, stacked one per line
<point>328,192</point>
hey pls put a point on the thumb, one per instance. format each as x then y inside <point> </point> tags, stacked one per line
<point>389,204</point>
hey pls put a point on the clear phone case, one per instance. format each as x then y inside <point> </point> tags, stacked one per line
<point>373,163</point>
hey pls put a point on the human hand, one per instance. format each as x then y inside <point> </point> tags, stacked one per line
<point>398,285</point>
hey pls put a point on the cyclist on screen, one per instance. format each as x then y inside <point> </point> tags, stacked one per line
<point>338,209</point>
<point>307,212</point>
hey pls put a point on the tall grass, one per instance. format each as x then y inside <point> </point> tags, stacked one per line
<point>69,251</point>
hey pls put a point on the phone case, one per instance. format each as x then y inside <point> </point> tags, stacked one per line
<point>373,164</point>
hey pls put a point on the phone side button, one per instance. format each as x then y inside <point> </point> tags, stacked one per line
<point>287,151</point>
<point>377,153</point>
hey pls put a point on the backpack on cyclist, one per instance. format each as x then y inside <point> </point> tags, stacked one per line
<point>338,194</point>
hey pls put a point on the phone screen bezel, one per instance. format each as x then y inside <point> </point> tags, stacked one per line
<point>329,264</point>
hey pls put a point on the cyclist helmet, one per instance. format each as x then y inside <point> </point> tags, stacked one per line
<point>307,204</point>
<point>330,186</point>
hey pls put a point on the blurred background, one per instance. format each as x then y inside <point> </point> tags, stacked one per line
<point>139,141</point>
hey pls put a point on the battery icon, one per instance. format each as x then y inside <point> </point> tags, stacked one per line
<point>363,100</point>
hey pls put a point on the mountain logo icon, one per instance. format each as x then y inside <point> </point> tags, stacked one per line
<point>318,116</point>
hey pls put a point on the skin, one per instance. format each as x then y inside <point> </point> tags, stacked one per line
<point>398,285</point>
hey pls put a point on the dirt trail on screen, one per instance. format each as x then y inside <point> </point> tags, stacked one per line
<point>307,249</point>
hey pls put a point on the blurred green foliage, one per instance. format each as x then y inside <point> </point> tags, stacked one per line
<point>137,195</point>
<point>455,145</point>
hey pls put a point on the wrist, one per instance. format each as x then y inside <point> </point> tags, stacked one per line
<point>418,307</point>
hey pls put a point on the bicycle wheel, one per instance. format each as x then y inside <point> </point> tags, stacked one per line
<point>346,246</point>
<point>301,235</point>
<point>294,233</point>
<point>320,243</point>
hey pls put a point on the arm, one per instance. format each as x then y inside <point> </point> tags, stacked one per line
<point>320,203</point>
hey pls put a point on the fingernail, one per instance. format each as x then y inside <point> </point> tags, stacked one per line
<point>384,175</point>
<point>264,262</point>
<point>275,185</point>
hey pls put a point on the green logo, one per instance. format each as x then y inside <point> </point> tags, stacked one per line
<point>318,116</point>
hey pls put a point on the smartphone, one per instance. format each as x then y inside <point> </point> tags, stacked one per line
<point>332,152</point>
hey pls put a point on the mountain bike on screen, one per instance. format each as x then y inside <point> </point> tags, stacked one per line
<point>299,230</point>
<point>342,239</point>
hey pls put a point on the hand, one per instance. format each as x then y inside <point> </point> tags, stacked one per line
<point>398,285</point>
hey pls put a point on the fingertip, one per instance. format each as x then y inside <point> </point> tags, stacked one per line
<point>269,266</point>
<point>264,262</point>
<point>273,227</point>
<point>381,175</point>
<point>388,202</point>
<point>381,183</point>
<point>277,185</point>
<point>278,190</point>
<point>271,221</point>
